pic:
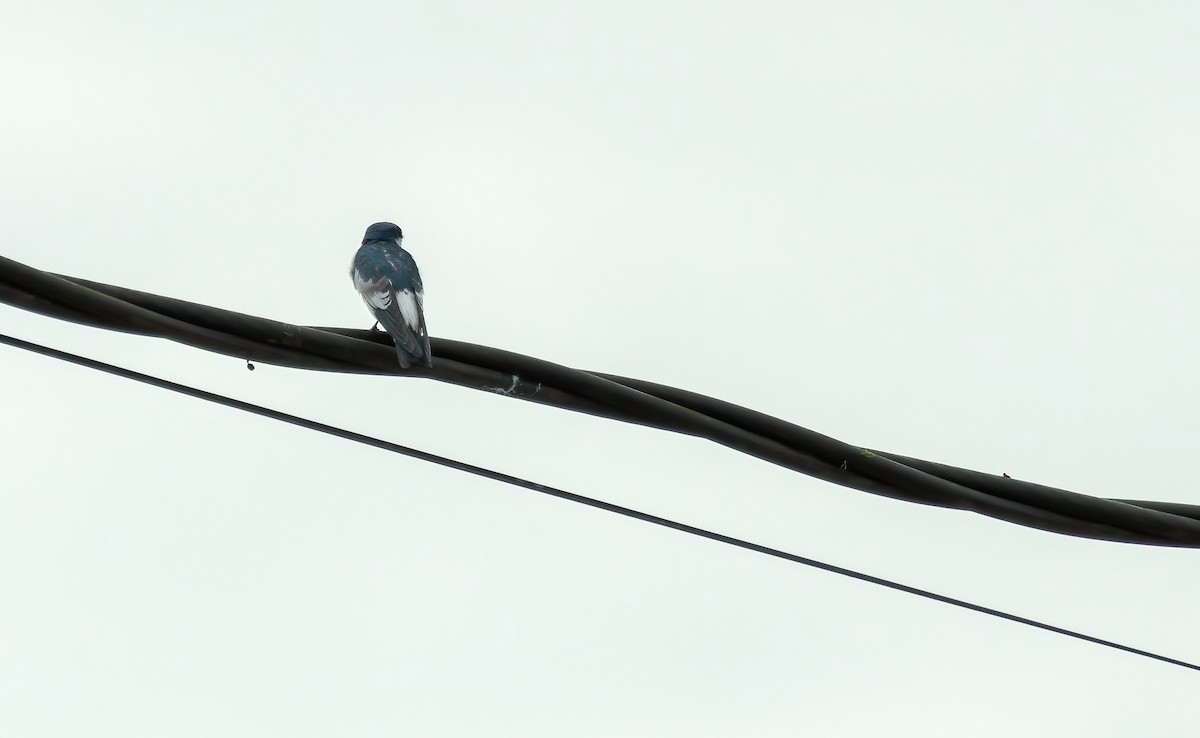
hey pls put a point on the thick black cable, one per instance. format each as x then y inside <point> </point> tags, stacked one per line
<point>563,494</point>
<point>620,398</point>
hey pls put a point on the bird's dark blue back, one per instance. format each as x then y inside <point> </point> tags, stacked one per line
<point>379,259</point>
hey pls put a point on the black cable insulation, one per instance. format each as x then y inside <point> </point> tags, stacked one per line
<point>605,395</point>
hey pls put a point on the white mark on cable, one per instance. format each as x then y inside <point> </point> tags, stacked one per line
<point>511,388</point>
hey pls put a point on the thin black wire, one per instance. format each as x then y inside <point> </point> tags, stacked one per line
<point>563,494</point>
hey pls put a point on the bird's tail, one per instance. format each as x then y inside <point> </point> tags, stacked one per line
<point>407,358</point>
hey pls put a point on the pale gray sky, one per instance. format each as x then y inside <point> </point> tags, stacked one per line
<point>962,231</point>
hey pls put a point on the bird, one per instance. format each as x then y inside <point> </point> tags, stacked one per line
<point>388,281</point>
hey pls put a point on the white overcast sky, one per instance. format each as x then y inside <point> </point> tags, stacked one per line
<point>961,231</point>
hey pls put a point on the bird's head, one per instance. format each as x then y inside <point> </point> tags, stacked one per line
<point>383,232</point>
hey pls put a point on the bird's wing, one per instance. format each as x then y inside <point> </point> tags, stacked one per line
<point>398,311</point>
